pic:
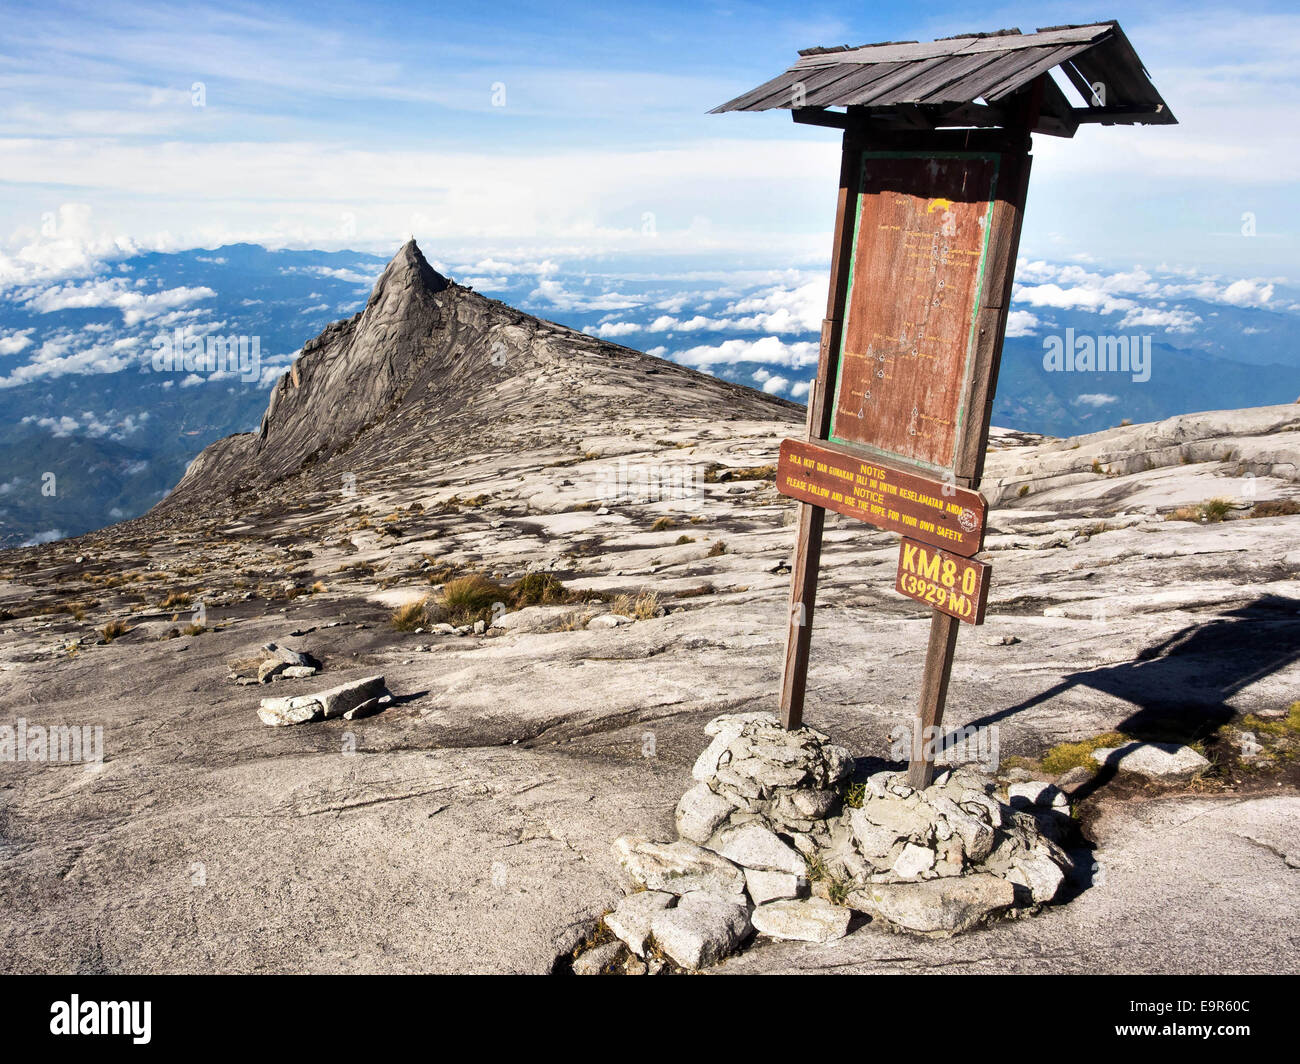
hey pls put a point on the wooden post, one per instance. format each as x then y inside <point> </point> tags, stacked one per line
<point>808,544</point>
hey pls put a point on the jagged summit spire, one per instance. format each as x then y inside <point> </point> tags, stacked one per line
<point>409,271</point>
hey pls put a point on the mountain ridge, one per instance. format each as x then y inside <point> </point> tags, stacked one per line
<point>430,352</point>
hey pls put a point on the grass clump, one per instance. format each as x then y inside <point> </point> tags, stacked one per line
<point>1065,756</point>
<point>682,540</point>
<point>1209,512</point>
<point>1287,727</point>
<point>175,598</point>
<point>718,548</point>
<point>419,614</point>
<point>663,524</point>
<point>537,589</point>
<point>113,630</point>
<point>855,795</point>
<point>470,598</point>
<point>1023,491</point>
<point>1276,508</point>
<point>642,606</point>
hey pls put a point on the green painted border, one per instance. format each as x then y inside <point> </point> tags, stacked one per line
<point>996,159</point>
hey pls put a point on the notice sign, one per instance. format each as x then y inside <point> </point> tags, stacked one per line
<point>950,583</point>
<point>894,499</point>
<point>919,242</point>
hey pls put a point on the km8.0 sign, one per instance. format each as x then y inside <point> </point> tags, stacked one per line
<point>950,583</point>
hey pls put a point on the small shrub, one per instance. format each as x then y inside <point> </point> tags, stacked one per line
<point>113,630</point>
<point>663,524</point>
<point>718,548</point>
<point>175,598</point>
<point>1024,490</point>
<point>1276,508</point>
<point>537,589</point>
<point>469,598</point>
<point>1209,512</point>
<point>682,540</point>
<point>419,614</point>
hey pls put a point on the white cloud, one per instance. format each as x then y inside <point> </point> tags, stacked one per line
<point>136,306</point>
<point>12,343</point>
<point>769,349</point>
<point>1096,399</point>
<point>776,385</point>
<point>1021,323</point>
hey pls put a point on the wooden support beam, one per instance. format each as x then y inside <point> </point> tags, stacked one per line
<point>817,116</point>
<point>808,544</point>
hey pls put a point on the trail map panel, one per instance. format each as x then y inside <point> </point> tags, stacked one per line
<point>882,495</point>
<point>920,239</point>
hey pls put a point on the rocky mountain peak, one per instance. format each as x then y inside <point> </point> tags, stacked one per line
<point>429,368</point>
<point>407,277</point>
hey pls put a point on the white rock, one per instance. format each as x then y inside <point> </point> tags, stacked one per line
<point>752,846</point>
<point>913,861</point>
<point>772,886</point>
<point>1035,793</point>
<point>597,959</point>
<point>1162,761</point>
<point>700,812</point>
<point>631,919</point>
<point>814,920</point>
<point>334,702</point>
<point>298,672</point>
<point>676,867</point>
<point>939,907</point>
<point>701,930</point>
<point>1039,873</point>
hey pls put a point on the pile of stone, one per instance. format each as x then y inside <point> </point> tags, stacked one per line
<point>357,698</point>
<point>274,662</point>
<point>779,837</point>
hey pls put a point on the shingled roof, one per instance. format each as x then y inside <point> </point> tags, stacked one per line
<point>960,81</point>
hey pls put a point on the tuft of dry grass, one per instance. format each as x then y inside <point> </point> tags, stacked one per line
<point>420,614</point>
<point>1276,508</point>
<point>113,630</point>
<point>663,524</point>
<point>1209,512</point>
<point>641,606</point>
<point>718,548</point>
<point>175,598</point>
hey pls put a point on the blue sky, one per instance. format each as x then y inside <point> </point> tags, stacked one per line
<point>578,131</point>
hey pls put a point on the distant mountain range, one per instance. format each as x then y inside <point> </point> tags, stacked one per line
<point>98,423</point>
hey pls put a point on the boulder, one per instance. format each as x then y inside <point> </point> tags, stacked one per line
<point>814,920</point>
<point>772,886</point>
<point>631,918</point>
<point>913,861</point>
<point>700,813</point>
<point>1167,762</point>
<point>334,702</point>
<point>701,930</point>
<point>597,959</point>
<point>676,867</point>
<point>1025,796</point>
<point>757,847</point>
<point>938,907</point>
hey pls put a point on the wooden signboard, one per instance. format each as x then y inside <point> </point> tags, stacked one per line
<point>948,582</point>
<point>920,240</point>
<point>926,231</point>
<point>883,495</point>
